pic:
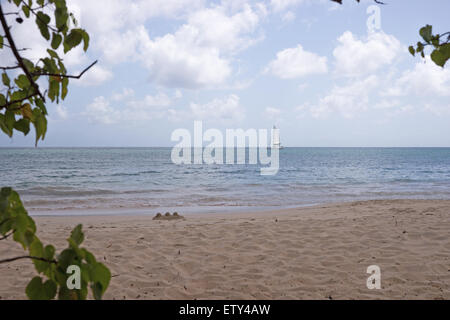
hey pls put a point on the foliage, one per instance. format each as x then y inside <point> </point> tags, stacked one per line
<point>439,42</point>
<point>15,221</point>
<point>22,103</point>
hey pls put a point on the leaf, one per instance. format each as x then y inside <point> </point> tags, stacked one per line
<point>56,40</point>
<point>64,85</point>
<point>3,125</point>
<point>411,50</point>
<point>441,55</point>
<point>7,122</point>
<point>26,10</point>
<point>49,252</point>
<point>61,16</point>
<point>1,42</point>
<point>72,39</point>
<point>101,276</point>
<point>426,33</point>
<point>22,125</point>
<point>36,290</point>
<point>42,21</point>
<point>85,40</point>
<point>5,79</point>
<point>22,81</point>
<point>26,111</point>
<point>40,124</point>
<point>77,234</point>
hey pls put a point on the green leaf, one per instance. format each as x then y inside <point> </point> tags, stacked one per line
<point>41,105</point>
<point>77,234</point>
<point>22,125</point>
<point>441,55</point>
<point>40,124</point>
<point>26,111</point>
<point>5,79</point>
<point>26,10</point>
<point>61,16</point>
<point>101,276</point>
<point>49,252</point>
<point>426,33</point>
<point>53,88</point>
<point>411,50</point>
<point>36,290</point>
<point>419,47</point>
<point>64,85</point>
<point>73,39</point>
<point>56,40</point>
<point>22,81</point>
<point>1,42</point>
<point>3,125</point>
<point>85,40</point>
<point>2,100</point>
<point>28,64</point>
<point>42,21</point>
<point>7,122</point>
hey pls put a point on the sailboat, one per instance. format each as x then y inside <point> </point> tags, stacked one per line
<point>276,138</point>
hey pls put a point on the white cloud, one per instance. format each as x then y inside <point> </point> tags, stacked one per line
<point>101,111</point>
<point>272,113</point>
<point>125,94</point>
<point>347,100</point>
<point>197,54</point>
<point>228,32</point>
<point>297,62</point>
<point>174,60</point>
<point>288,16</point>
<point>356,57</point>
<point>61,112</point>
<point>127,110</point>
<point>425,79</point>
<point>280,5</point>
<point>219,109</point>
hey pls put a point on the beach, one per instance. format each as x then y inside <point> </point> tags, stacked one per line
<point>317,252</point>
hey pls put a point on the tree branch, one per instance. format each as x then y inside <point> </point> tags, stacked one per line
<point>6,236</point>
<point>66,75</point>
<point>10,68</point>
<point>17,55</point>
<point>20,100</point>
<point>27,257</point>
<point>37,17</point>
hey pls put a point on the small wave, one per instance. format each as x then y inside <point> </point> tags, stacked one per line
<point>64,191</point>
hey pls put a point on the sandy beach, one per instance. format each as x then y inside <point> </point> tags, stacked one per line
<point>319,252</point>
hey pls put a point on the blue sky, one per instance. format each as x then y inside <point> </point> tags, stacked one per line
<point>311,67</point>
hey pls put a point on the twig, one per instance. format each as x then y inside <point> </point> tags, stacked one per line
<point>37,17</point>
<point>20,100</point>
<point>6,236</point>
<point>66,75</point>
<point>27,257</point>
<point>10,68</point>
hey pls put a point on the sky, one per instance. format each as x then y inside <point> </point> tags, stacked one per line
<point>327,75</point>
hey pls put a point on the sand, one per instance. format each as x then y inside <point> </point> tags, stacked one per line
<point>319,252</point>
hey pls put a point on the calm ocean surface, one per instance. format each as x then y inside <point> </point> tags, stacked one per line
<point>144,180</point>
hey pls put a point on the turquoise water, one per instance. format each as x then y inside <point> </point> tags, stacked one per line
<point>127,180</point>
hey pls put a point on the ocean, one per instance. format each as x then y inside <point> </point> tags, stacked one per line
<point>70,181</point>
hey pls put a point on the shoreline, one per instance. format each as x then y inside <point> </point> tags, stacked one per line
<point>313,252</point>
<point>200,210</point>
